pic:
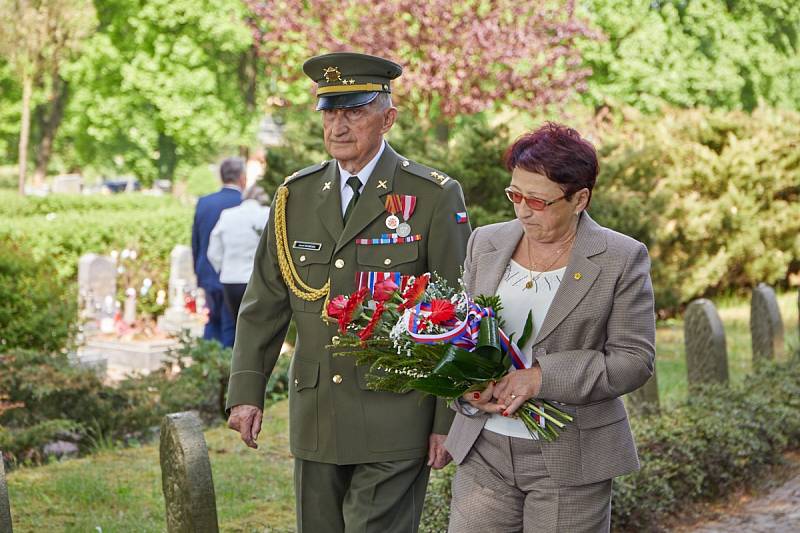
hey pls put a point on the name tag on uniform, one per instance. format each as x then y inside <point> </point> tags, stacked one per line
<point>304,245</point>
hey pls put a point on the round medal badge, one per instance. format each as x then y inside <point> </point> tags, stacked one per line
<point>403,230</point>
<point>392,222</point>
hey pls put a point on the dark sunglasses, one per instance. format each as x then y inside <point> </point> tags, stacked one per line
<point>537,204</point>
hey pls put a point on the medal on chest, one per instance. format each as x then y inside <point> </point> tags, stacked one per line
<point>404,205</point>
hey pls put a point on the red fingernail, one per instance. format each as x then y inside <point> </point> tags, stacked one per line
<point>505,413</point>
<point>476,395</point>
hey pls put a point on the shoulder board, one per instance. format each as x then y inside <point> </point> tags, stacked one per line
<point>305,172</point>
<point>418,169</point>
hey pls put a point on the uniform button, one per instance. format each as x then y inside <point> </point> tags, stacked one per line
<point>339,263</point>
<point>336,379</point>
<point>296,382</point>
<point>302,258</point>
<point>387,261</point>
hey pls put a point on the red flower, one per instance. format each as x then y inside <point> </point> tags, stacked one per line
<point>353,303</point>
<point>441,311</point>
<point>414,293</point>
<point>336,306</point>
<point>383,290</point>
<point>366,333</point>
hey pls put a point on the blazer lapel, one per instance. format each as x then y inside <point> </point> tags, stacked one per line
<point>329,202</point>
<point>490,266</point>
<point>371,203</point>
<point>580,275</point>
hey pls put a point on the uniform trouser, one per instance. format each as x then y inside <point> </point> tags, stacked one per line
<point>363,498</point>
<point>220,325</point>
<point>503,486</point>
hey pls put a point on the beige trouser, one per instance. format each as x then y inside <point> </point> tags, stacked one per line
<point>503,486</point>
<point>364,498</point>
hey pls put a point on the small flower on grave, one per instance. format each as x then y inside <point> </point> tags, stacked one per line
<point>132,255</point>
<point>125,253</point>
<point>114,254</point>
<point>161,297</point>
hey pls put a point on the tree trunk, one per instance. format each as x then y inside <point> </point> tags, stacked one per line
<point>167,158</point>
<point>248,77</point>
<point>25,130</point>
<point>50,124</point>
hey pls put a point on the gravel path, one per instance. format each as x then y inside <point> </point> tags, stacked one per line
<point>776,512</point>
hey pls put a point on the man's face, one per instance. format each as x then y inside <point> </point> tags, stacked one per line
<point>355,134</point>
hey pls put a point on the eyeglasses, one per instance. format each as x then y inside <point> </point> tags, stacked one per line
<point>537,204</point>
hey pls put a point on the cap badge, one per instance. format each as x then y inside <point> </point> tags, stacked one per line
<point>332,74</point>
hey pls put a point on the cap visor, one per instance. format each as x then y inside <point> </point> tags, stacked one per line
<point>343,101</point>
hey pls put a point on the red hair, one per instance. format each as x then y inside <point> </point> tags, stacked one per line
<point>558,152</point>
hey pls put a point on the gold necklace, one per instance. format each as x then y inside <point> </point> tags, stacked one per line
<point>531,278</point>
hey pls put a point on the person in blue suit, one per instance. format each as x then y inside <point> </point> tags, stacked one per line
<point>221,325</point>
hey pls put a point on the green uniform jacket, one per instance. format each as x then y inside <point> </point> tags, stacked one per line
<point>334,417</point>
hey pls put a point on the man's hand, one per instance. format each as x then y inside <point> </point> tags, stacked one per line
<point>246,419</point>
<point>438,457</point>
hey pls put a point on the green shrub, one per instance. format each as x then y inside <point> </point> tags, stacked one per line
<point>36,310</point>
<point>722,438</point>
<point>46,395</point>
<point>202,381</point>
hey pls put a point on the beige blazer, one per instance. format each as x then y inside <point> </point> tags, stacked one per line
<point>596,343</point>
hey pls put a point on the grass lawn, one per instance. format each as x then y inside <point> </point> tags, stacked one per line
<point>120,490</point>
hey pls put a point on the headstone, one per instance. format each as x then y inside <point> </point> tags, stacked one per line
<point>181,275</point>
<point>118,358</point>
<point>5,505</point>
<point>186,475</point>
<point>704,338</point>
<point>182,283</point>
<point>97,286</point>
<point>766,325</point>
<point>644,400</point>
<point>68,184</point>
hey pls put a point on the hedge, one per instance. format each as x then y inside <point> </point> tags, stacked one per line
<point>36,310</point>
<point>722,438</point>
<point>74,226</point>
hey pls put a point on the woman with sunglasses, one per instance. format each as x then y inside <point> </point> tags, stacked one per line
<point>589,293</point>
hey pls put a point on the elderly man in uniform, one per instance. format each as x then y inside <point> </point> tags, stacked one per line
<point>362,457</point>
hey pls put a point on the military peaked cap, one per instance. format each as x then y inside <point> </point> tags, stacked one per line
<point>348,79</point>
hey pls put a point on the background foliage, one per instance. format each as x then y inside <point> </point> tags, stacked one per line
<point>38,311</point>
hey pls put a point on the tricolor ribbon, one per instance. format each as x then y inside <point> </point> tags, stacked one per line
<point>464,334</point>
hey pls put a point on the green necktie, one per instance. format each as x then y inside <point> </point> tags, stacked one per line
<point>354,183</point>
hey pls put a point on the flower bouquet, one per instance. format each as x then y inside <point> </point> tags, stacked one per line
<point>422,335</point>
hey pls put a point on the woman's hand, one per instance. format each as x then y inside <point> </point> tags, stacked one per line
<point>484,400</point>
<point>516,388</point>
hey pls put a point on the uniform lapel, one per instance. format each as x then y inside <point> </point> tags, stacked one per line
<point>371,203</point>
<point>490,266</point>
<point>580,275</point>
<point>329,202</point>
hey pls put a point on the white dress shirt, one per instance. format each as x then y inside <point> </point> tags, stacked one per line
<point>518,300</point>
<point>363,176</point>
<point>233,242</point>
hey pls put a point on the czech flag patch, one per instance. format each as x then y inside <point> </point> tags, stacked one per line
<point>461,217</point>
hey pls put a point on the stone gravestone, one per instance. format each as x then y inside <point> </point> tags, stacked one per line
<point>97,286</point>
<point>5,506</point>
<point>766,325</point>
<point>186,476</point>
<point>68,184</point>
<point>704,338</point>
<point>182,281</point>
<point>644,400</point>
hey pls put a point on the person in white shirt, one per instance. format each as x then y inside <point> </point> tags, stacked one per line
<point>232,248</point>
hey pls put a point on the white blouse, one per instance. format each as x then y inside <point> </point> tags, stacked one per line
<point>517,301</point>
